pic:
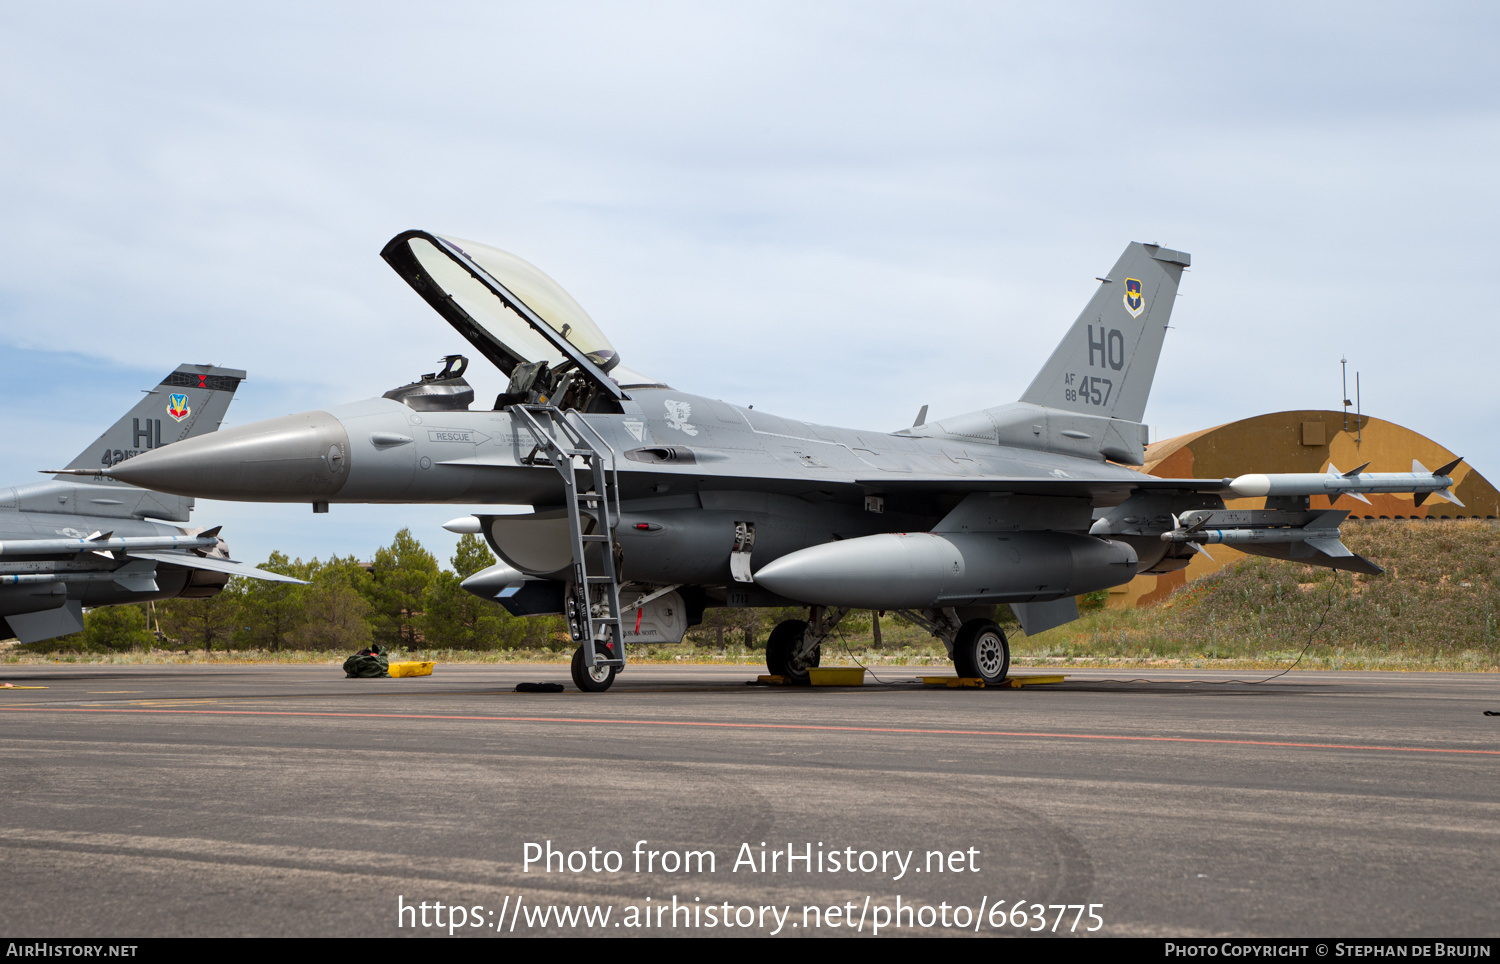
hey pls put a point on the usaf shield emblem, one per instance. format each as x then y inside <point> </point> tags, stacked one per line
<point>177,407</point>
<point>1134,302</point>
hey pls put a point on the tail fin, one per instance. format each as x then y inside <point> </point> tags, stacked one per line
<point>190,401</point>
<point>1105,364</point>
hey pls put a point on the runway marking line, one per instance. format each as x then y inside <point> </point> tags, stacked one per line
<point>917,731</point>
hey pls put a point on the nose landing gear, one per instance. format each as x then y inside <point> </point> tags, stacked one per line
<point>596,679</point>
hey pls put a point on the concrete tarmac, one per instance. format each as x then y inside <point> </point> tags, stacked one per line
<point>285,800</point>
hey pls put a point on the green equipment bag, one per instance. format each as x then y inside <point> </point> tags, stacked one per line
<point>367,663</point>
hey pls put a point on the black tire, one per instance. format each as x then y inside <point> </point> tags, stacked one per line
<point>784,641</point>
<point>602,677</point>
<point>981,651</point>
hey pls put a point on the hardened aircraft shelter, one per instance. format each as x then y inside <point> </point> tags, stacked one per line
<point>1305,441</point>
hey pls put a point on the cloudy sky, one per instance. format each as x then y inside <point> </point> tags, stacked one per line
<point>837,212</point>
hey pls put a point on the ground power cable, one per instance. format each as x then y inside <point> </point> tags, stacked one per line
<point>844,645</point>
<point>1312,634</point>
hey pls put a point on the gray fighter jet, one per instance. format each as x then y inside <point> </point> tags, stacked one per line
<point>650,504</point>
<point>71,543</point>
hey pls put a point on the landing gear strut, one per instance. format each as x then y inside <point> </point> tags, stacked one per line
<point>796,646</point>
<point>978,646</point>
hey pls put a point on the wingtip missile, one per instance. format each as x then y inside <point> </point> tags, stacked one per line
<point>1336,483</point>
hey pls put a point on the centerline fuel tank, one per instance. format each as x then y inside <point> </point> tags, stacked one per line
<point>911,570</point>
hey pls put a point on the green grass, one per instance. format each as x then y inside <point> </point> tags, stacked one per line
<point>1436,607</point>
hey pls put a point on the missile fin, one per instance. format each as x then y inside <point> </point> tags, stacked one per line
<point>1352,474</point>
<point>1444,470</point>
<point>1330,546</point>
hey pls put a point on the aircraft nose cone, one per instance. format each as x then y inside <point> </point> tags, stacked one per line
<point>295,458</point>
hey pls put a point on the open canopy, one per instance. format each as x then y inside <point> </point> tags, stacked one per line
<point>506,307</point>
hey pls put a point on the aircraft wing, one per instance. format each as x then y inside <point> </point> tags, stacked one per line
<point>229,566</point>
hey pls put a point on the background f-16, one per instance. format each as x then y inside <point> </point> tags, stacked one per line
<point>91,541</point>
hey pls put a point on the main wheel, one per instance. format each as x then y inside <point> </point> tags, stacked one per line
<point>595,680</point>
<point>781,650</point>
<point>981,651</point>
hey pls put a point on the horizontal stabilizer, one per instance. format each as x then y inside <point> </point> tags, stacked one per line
<point>47,624</point>
<point>188,561</point>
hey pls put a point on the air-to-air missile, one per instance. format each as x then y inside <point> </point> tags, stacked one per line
<point>1418,481</point>
<point>106,544</point>
<point>649,504</point>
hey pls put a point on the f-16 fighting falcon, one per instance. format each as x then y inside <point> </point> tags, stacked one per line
<point>71,543</point>
<point>651,504</point>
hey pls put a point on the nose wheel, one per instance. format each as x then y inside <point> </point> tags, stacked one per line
<point>595,679</point>
<point>981,651</point>
<point>786,654</point>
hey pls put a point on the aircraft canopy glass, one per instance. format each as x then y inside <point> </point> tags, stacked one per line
<point>545,297</point>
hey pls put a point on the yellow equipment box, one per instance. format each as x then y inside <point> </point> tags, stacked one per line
<point>411,669</point>
<point>837,675</point>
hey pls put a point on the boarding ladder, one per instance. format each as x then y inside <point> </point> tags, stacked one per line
<point>593,605</point>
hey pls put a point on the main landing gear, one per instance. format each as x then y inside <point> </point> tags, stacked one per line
<point>795,647</point>
<point>981,651</point>
<point>976,645</point>
<point>785,656</point>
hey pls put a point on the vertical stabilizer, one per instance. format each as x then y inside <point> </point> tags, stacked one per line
<point>190,401</point>
<point>1105,364</point>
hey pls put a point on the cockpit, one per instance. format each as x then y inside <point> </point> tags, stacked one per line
<point>518,318</point>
